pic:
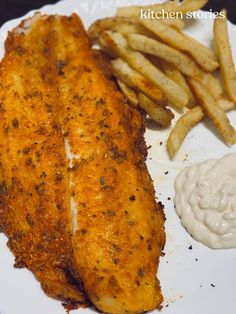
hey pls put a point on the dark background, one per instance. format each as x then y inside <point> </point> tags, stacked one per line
<point>10,9</point>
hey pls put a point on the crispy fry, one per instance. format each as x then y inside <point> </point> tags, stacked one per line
<point>161,115</point>
<point>215,113</point>
<point>135,80</point>
<point>175,57</point>
<point>105,47</point>
<point>127,25</point>
<point>184,7</point>
<point>178,59</point>
<point>107,23</point>
<point>212,84</point>
<point>204,48</point>
<point>176,23</point>
<point>114,43</point>
<point>136,28</point>
<point>224,53</point>
<point>118,44</point>
<point>173,73</point>
<point>129,93</point>
<point>128,28</point>
<point>179,78</point>
<point>192,5</point>
<point>182,127</point>
<point>226,104</point>
<point>182,42</point>
<point>135,11</point>
<point>170,65</point>
<point>176,94</point>
<point>186,122</point>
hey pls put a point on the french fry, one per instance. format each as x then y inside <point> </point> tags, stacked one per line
<point>226,104</point>
<point>171,60</point>
<point>174,74</point>
<point>126,28</point>
<point>179,78</point>
<point>127,25</point>
<point>175,94</point>
<point>211,83</point>
<point>182,127</point>
<point>114,43</point>
<point>181,41</point>
<point>224,53</point>
<point>105,47</point>
<point>129,93</point>
<point>176,23</point>
<point>178,59</point>
<point>118,44</point>
<point>135,11</point>
<point>160,115</point>
<point>175,57</point>
<point>192,5</point>
<point>107,23</point>
<point>204,48</point>
<point>184,7</point>
<point>135,80</point>
<point>186,122</point>
<point>215,113</point>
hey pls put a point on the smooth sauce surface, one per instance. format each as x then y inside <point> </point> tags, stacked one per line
<point>205,201</point>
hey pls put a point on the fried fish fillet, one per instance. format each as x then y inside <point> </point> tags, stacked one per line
<point>118,230</point>
<point>34,194</point>
<point>99,220</point>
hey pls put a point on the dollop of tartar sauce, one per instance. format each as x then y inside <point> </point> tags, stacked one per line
<point>205,201</point>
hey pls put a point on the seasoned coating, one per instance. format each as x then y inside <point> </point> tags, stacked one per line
<point>88,221</point>
<point>118,226</point>
<point>34,198</point>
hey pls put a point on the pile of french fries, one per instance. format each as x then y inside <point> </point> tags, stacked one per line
<point>158,67</point>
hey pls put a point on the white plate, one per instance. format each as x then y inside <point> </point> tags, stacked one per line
<point>186,275</point>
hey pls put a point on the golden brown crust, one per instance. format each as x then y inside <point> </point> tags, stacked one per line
<point>120,226</point>
<point>34,211</point>
<point>50,82</point>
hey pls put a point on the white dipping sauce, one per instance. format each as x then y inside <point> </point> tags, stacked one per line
<point>206,201</point>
